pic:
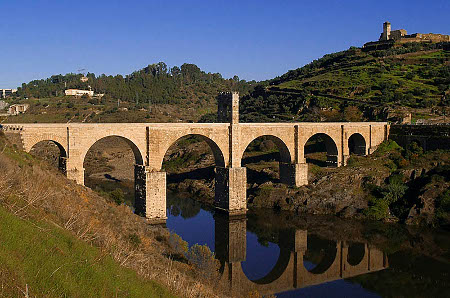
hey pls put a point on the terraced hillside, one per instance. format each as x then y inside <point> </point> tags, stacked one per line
<point>413,76</point>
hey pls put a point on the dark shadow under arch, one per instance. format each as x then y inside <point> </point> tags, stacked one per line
<point>284,154</point>
<point>356,253</point>
<point>278,270</point>
<point>217,152</point>
<point>322,252</point>
<point>321,142</point>
<point>357,144</point>
<point>43,149</point>
<point>261,152</point>
<point>191,163</point>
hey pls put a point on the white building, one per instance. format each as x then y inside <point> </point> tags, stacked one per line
<point>18,109</point>
<point>7,92</point>
<point>77,92</point>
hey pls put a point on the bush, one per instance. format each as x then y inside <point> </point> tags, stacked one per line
<point>413,150</point>
<point>117,196</point>
<point>388,147</point>
<point>203,258</point>
<point>134,240</point>
<point>444,201</point>
<point>378,209</point>
<point>179,246</point>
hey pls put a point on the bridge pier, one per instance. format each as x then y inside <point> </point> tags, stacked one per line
<point>155,198</point>
<point>231,189</point>
<point>140,187</point>
<point>62,164</point>
<point>75,170</point>
<point>294,174</point>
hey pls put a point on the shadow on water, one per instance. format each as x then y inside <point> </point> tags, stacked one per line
<point>294,255</point>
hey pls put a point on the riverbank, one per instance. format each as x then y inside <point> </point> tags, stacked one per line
<point>415,260</point>
<point>392,185</point>
<point>66,221</point>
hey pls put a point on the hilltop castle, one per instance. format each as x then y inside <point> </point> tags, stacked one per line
<point>389,37</point>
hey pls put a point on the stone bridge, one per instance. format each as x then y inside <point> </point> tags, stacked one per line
<point>228,141</point>
<point>289,272</point>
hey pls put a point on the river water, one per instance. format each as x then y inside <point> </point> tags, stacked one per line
<point>315,256</point>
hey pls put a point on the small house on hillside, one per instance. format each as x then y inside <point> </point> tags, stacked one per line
<point>18,109</point>
<point>78,92</point>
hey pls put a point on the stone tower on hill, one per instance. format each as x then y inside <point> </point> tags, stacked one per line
<point>390,37</point>
<point>386,31</point>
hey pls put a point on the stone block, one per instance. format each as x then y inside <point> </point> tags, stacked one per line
<point>155,204</point>
<point>231,189</point>
<point>294,174</point>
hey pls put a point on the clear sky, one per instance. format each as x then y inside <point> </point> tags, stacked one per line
<point>252,39</point>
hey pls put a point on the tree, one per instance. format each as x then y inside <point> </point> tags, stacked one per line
<point>352,114</point>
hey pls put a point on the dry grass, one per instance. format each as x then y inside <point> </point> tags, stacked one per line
<point>37,193</point>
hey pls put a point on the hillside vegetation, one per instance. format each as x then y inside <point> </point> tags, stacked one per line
<point>351,85</point>
<point>154,93</point>
<point>412,75</point>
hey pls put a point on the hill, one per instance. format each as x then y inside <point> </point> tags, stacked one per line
<point>62,239</point>
<point>415,76</point>
<point>352,85</point>
<point>155,93</point>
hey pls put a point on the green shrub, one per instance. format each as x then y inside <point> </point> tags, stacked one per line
<point>413,150</point>
<point>134,240</point>
<point>378,209</point>
<point>444,201</point>
<point>393,192</point>
<point>117,196</point>
<point>203,258</point>
<point>388,147</point>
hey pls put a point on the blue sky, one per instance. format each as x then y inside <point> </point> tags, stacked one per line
<point>252,39</point>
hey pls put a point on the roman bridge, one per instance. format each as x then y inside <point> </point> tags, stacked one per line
<point>228,141</point>
<point>341,259</point>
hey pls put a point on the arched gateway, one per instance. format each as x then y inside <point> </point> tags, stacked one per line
<point>227,139</point>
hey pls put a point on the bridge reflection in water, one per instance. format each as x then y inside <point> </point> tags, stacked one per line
<point>289,272</point>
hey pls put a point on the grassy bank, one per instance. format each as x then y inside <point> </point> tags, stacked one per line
<point>62,239</point>
<point>43,259</point>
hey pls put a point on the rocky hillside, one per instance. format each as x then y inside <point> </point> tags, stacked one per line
<point>392,185</point>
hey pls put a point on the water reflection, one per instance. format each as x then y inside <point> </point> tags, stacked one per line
<point>283,259</point>
<point>330,259</point>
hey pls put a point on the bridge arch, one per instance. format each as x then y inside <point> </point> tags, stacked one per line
<point>219,159</point>
<point>355,258</point>
<point>284,260</point>
<point>127,185</point>
<point>326,258</point>
<point>285,154</point>
<point>356,253</point>
<point>56,157</point>
<point>329,145</point>
<point>30,142</point>
<point>136,151</point>
<point>263,145</point>
<point>357,144</point>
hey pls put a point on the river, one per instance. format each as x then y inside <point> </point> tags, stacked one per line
<point>316,256</point>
